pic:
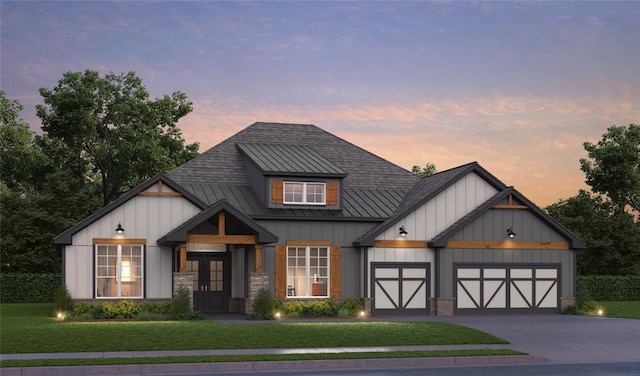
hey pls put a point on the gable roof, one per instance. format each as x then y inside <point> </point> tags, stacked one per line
<point>423,191</point>
<point>290,160</point>
<point>440,240</point>
<point>66,237</point>
<point>180,233</point>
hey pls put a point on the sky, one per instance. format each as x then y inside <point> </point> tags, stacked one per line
<point>517,86</point>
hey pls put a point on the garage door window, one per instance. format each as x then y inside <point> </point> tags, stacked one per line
<point>308,271</point>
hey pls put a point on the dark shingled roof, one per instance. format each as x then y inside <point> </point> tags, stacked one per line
<point>440,240</point>
<point>423,191</point>
<point>372,186</point>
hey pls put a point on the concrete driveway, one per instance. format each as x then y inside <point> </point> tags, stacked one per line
<point>563,338</point>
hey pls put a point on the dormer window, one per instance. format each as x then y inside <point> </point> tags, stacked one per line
<point>305,193</point>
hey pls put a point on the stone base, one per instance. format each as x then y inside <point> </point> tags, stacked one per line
<point>183,279</point>
<point>256,282</point>
<point>441,306</point>
<point>566,302</point>
<point>366,303</point>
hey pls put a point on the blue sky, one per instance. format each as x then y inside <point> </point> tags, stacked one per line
<point>517,86</point>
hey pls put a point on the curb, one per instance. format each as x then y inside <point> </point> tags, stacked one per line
<point>346,364</point>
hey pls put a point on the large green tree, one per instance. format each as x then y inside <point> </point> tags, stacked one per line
<point>110,124</point>
<point>612,237</point>
<point>613,166</point>
<point>41,194</point>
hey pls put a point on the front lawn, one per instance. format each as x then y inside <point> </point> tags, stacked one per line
<point>30,328</point>
<point>629,309</point>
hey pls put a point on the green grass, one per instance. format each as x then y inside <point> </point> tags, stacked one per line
<point>255,358</point>
<point>30,328</point>
<point>629,309</point>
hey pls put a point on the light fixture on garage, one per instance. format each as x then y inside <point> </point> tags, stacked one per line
<point>402,232</point>
<point>511,233</point>
<point>119,229</point>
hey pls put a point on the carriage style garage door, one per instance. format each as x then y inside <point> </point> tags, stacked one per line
<point>510,289</point>
<point>400,288</point>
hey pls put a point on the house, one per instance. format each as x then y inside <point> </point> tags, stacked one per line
<point>312,216</point>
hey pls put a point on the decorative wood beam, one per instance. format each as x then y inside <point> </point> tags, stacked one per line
<point>508,244</point>
<point>119,241</point>
<point>221,223</point>
<point>257,267</point>
<point>400,244</point>
<point>510,207</point>
<point>183,258</point>
<point>294,243</point>
<point>222,239</point>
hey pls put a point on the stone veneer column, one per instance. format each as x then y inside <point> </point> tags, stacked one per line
<point>566,302</point>
<point>441,306</point>
<point>256,282</point>
<point>183,279</point>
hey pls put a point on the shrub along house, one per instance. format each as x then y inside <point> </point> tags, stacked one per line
<point>312,216</point>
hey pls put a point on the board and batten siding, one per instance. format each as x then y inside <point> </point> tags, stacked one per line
<point>492,226</point>
<point>143,217</point>
<point>338,233</point>
<point>430,219</point>
<point>442,211</point>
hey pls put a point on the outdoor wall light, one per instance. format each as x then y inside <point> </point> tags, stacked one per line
<point>119,229</point>
<point>511,233</point>
<point>402,232</point>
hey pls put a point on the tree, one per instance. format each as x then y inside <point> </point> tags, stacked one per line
<point>110,124</point>
<point>613,166</point>
<point>428,170</point>
<point>612,237</point>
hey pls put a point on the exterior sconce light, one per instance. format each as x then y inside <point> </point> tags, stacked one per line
<point>119,229</point>
<point>510,233</point>
<point>402,232</point>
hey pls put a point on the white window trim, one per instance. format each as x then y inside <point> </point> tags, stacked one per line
<point>119,271</point>
<point>308,294</point>
<point>304,193</point>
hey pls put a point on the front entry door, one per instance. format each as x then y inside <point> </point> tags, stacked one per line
<point>211,281</point>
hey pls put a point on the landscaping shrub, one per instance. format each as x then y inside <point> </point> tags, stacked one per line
<point>610,288</point>
<point>125,309</point>
<point>63,300</point>
<point>181,304</point>
<point>350,307</point>
<point>84,310</point>
<point>263,305</point>
<point>29,287</point>
<point>320,308</point>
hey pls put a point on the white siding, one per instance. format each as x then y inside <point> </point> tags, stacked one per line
<point>142,217</point>
<point>445,209</point>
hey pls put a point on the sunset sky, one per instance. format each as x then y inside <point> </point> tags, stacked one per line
<point>517,86</point>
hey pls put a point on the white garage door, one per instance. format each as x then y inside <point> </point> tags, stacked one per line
<point>400,288</point>
<point>510,289</point>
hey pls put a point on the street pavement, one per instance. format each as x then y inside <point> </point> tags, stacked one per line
<point>560,339</point>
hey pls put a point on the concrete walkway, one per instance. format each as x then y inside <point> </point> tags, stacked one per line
<point>546,338</point>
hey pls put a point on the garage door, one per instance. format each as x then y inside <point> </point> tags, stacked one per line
<point>400,288</point>
<point>510,289</point>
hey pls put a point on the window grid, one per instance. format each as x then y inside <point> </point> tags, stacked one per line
<point>119,271</point>
<point>307,271</point>
<point>305,193</point>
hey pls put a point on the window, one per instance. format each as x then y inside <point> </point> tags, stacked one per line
<point>119,271</point>
<point>304,193</point>
<point>307,271</point>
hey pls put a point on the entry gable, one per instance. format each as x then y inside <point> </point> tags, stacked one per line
<point>507,212</point>
<point>227,220</point>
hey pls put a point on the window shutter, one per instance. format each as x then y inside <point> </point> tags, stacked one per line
<point>281,272</point>
<point>335,264</point>
<point>332,194</point>
<point>277,194</point>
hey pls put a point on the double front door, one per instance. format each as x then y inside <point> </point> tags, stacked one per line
<point>211,281</point>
